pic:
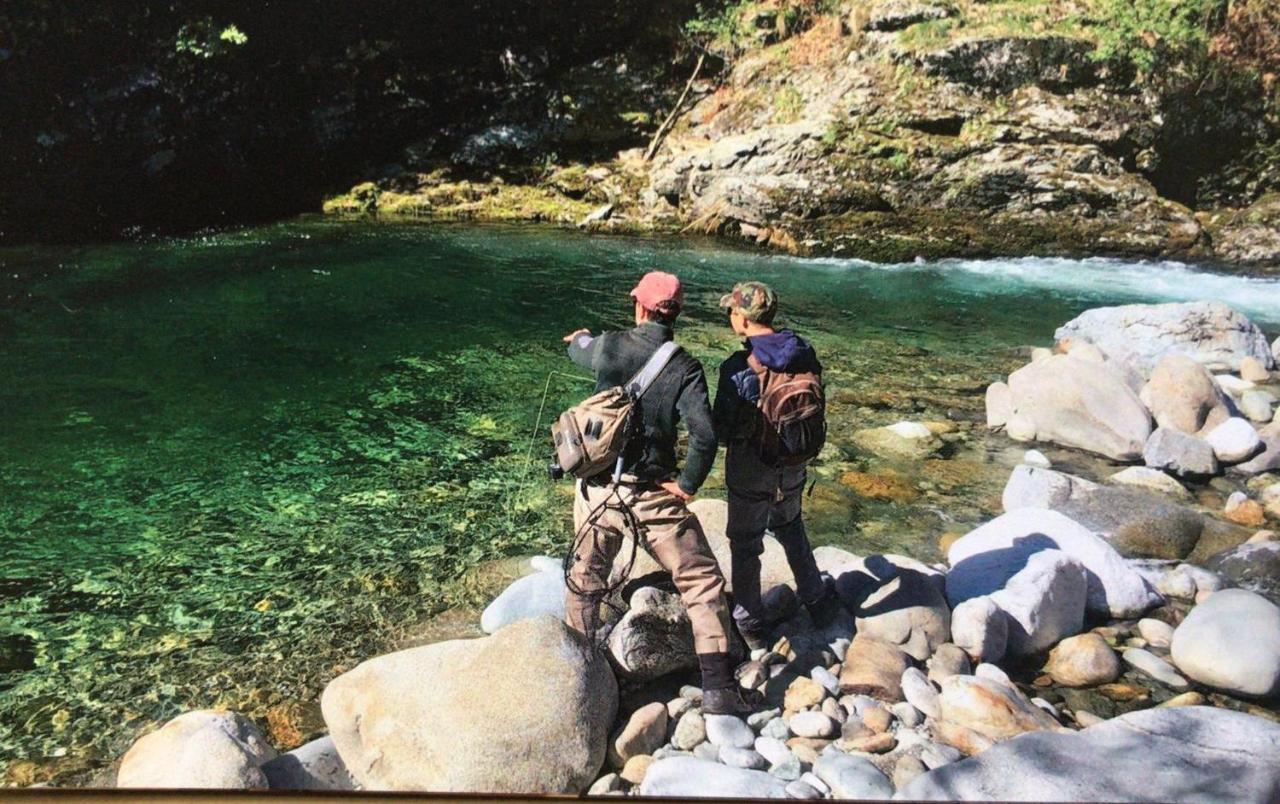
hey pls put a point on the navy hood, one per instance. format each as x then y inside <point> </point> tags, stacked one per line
<point>784,351</point>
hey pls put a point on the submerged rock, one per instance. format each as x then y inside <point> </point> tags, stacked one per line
<point>440,718</point>
<point>1151,479</point>
<point>1177,754</point>
<point>1136,523</point>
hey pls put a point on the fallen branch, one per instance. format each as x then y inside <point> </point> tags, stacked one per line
<point>666,124</point>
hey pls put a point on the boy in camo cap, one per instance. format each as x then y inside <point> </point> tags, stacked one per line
<point>763,495</point>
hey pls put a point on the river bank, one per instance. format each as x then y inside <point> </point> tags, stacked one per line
<point>309,478</point>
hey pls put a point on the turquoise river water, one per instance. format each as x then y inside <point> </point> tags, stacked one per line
<point>233,465</point>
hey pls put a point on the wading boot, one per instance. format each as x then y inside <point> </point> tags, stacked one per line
<point>721,694</point>
<point>825,610</point>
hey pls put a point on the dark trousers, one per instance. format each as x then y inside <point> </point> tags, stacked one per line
<point>764,499</point>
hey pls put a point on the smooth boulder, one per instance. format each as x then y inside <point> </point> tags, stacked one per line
<point>1044,602</point>
<point>1234,441</point>
<point>654,637</point>
<point>977,712</point>
<point>1085,660</point>
<point>1035,487</point>
<point>909,611</point>
<point>313,766</point>
<point>205,749</point>
<point>533,595</point>
<point>1231,642</point>
<point>1136,523</point>
<point>1182,395</point>
<point>986,557</point>
<point>1082,404</point>
<point>1141,335</point>
<point>1192,753</point>
<point>525,710</point>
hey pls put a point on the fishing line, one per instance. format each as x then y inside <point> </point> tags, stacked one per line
<point>537,425</point>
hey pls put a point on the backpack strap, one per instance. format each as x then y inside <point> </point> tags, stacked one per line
<point>651,369</point>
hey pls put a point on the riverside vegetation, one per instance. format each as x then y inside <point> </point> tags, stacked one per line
<point>1105,638</point>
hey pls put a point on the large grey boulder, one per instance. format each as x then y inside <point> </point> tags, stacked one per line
<point>1136,523</point>
<point>1177,452</point>
<point>1044,602</point>
<point>1083,404</point>
<point>1182,396</point>
<point>1231,641</point>
<point>314,766</point>
<point>700,778</point>
<point>541,592</point>
<point>1255,567</point>
<point>1192,753</point>
<point>526,710</point>
<point>1141,335</point>
<point>654,637</point>
<point>985,558</point>
<point>205,749</point>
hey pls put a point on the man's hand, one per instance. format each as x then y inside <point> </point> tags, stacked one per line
<point>673,488</point>
<point>572,335</point>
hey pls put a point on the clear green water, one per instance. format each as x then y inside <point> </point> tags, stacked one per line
<point>232,465</point>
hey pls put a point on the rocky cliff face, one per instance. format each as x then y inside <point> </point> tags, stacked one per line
<point>891,129</point>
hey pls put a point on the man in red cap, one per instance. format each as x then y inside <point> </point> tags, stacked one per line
<point>653,492</point>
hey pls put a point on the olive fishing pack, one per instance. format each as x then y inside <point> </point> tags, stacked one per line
<point>590,437</point>
<point>794,412</point>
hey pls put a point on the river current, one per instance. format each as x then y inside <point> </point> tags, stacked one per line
<point>232,466</point>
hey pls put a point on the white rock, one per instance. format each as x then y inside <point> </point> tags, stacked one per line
<point>1177,583</point>
<point>999,405</point>
<point>546,564</point>
<point>742,758</point>
<point>1152,479</point>
<point>772,749</point>
<point>1231,642</point>
<point>911,430</point>
<point>314,766</point>
<point>403,720</point>
<point>700,778</point>
<point>530,596</point>
<point>851,777</point>
<point>1157,633</point>
<point>1193,753</point>
<point>1234,441</point>
<point>1029,487</point>
<point>201,749</point>
<point>1252,370</point>
<point>728,730</point>
<point>992,672</point>
<point>1141,334</point>
<point>1045,601</point>
<point>1147,662</point>
<point>980,628</point>
<point>920,692</point>
<point>982,560</point>
<point>1081,404</point>
<point>1233,385</point>
<point>812,724</point>
<point>1021,427</point>
<point>1257,405</point>
<point>1036,458</point>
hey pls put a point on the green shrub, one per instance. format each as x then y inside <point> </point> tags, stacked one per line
<point>1152,34</point>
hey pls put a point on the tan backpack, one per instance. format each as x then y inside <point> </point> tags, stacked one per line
<point>794,410</point>
<point>590,437</point>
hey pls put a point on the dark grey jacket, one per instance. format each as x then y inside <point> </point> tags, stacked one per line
<point>679,392</point>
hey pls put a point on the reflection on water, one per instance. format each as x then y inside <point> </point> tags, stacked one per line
<point>232,466</point>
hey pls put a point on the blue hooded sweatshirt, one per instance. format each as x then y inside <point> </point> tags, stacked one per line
<point>739,387</point>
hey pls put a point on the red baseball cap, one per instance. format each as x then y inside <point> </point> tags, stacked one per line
<point>659,291</point>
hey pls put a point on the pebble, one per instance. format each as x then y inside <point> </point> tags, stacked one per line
<point>1185,699</point>
<point>787,770</point>
<point>825,677</point>
<point>1036,458</point>
<point>875,744</point>
<point>907,768</point>
<point>803,693</point>
<point>920,692</point>
<point>1048,707</point>
<point>839,646</point>
<point>833,710</point>
<point>776,728</point>
<point>813,724</point>
<point>802,790</point>
<point>724,730</point>
<point>877,719</point>
<point>908,714</point>
<point>692,693</point>
<point>609,783</point>
<point>752,675</point>
<point>742,758</point>
<point>804,748</point>
<point>677,707</point>
<point>1176,583</point>
<point>636,768</point>
<point>774,751</point>
<point>1087,719</point>
<point>1147,662</point>
<point>935,755</point>
<point>690,730</point>
<point>810,778</point>
<point>757,720</point>
<point>1157,633</point>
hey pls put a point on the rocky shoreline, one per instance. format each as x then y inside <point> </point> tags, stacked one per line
<point>1106,638</point>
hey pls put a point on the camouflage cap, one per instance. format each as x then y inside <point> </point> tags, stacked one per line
<point>754,301</point>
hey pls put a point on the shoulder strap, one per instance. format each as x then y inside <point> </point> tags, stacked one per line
<point>652,368</point>
<point>754,362</point>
